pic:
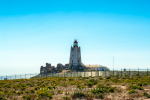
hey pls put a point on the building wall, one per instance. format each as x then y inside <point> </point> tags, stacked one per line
<point>75,56</point>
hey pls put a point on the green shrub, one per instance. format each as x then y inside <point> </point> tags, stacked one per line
<point>97,91</point>
<point>51,87</point>
<point>44,93</point>
<point>23,88</point>
<point>135,87</point>
<point>108,77</point>
<point>7,86</point>
<point>59,92</point>
<point>145,93</point>
<point>111,89</point>
<point>139,84</point>
<point>78,95</point>
<point>15,87</point>
<point>71,79</point>
<point>21,85</point>
<point>33,96</point>
<point>80,86</point>
<point>148,96</point>
<point>20,92</point>
<point>31,85</point>
<point>43,85</point>
<point>36,88</point>
<point>27,92</point>
<point>65,98</point>
<point>99,96</point>
<point>13,92</point>
<point>89,84</point>
<point>27,97</point>
<point>132,91</point>
<point>2,98</point>
<point>5,91</point>
<point>32,91</point>
<point>145,84</point>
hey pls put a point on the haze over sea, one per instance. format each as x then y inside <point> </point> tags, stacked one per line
<point>36,32</point>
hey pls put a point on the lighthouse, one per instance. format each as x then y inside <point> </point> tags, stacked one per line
<point>75,57</point>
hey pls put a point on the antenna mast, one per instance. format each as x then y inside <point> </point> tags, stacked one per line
<point>113,62</point>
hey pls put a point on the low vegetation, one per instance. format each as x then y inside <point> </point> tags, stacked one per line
<point>112,87</point>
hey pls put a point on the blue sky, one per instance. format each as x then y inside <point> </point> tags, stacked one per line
<point>35,32</point>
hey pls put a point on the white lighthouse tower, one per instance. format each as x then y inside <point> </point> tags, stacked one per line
<point>75,57</point>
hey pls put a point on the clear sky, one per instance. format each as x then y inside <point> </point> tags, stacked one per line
<point>35,32</point>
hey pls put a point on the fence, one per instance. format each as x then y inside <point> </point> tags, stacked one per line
<point>122,72</point>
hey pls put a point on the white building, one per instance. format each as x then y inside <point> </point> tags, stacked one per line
<point>97,67</point>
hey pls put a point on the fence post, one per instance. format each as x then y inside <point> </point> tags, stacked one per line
<point>138,71</point>
<point>64,74</point>
<point>25,76</point>
<point>84,72</point>
<point>15,76</point>
<point>129,71</point>
<point>147,71</point>
<point>91,73</point>
<point>6,76</point>
<point>1,77</point>
<point>113,72</point>
<point>121,71</point>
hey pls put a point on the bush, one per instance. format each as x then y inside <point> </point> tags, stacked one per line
<point>97,91</point>
<point>20,92</point>
<point>65,98</point>
<point>14,92</point>
<point>15,87</point>
<point>148,96</point>
<point>23,88</point>
<point>145,93</point>
<point>5,91</point>
<point>27,92</point>
<point>27,97</point>
<point>145,84</point>
<point>132,91</point>
<point>99,96</point>
<point>36,88</point>
<point>7,86</point>
<point>32,91</point>
<point>108,77</point>
<point>91,82</point>
<point>59,92</point>
<point>21,85</point>
<point>139,84</point>
<point>2,98</point>
<point>111,89</point>
<point>78,95</point>
<point>44,93</point>
<point>135,87</point>
<point>31,85</point>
